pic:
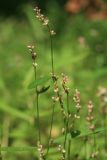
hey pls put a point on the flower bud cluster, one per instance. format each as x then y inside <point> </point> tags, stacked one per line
<point>90,117</point>
<point>41,151</point>
<point>65,80</point>
<point>94,154</point>
<point>55,99</point>
<point>77,100</point>
<point>102,93</point>
<point>62,151</point>
<point>65,115</point>
<point>43,19</point>
<point>56,89</point>
<point>33,55</point>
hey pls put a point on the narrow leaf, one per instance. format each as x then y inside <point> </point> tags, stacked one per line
<point>40,81</point>
<point>13,111</point>
<point>18,149</point>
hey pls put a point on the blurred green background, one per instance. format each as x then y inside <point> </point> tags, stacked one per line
<point>80,51</point>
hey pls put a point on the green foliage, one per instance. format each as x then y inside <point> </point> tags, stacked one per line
<point>40,81</point>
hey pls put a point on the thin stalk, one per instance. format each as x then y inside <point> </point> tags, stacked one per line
<point>94,137</point>
<point>38,118</point>
<point>0,153</point>
<point>85,142</point>
<point>65,140</point>
<point>0,143</point>
<point>51,47</point>
<point>69,150</point>
<point>37,107</point>
<point>67,122</point>
<point>53,111</point>
<point>105,133</point>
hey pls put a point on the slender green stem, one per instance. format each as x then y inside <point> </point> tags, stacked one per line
<point>67,122</point>
<point>69,150</point>
<point>94,137</point>
<point>85,142</point>
<point>68,110</point>
<point>0,153</point>
<point>105,133</point>
<point>37,107</point>
<point>38,118</point>
<point>65,140</point>
<point>53,111</point>
<point>0,143</point>
<point>51,45</point>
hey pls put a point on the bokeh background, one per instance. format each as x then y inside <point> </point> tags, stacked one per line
<point>80,51</point>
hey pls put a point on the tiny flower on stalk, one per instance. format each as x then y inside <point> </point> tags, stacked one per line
<point>94,154</point>
<point>90,117</point>
<point>65,81</point>
<point>77,100</point>
<point>62,151</point>
<point>41,17</point>
<point>41,151</point>
<point>55,99</point>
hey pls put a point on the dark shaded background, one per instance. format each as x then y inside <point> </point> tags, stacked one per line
<point>12,8</point>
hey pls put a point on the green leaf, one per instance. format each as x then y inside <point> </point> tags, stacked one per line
<point>75,133</point>
<point>40,81</point>
<point>62,138</point>
<point>18,149</point>
<point>90,133</point>
<point>13,111</point>
<point>0,131</point>
<point>42,89</point>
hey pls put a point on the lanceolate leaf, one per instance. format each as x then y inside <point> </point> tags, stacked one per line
<point>40,81</point>
<point>13,111</point>
<point>97,131</point>
<point>18,149</point>
<point>78,134</point>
